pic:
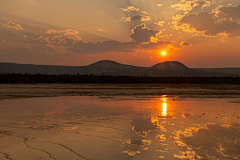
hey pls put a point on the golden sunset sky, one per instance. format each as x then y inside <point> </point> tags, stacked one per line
<point>198,33</point>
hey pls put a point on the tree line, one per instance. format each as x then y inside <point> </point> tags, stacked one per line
<point>66,78</point>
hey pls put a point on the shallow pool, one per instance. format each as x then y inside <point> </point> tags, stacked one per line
<point>119,128</point>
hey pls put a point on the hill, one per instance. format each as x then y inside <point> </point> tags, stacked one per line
<point>106,67</point>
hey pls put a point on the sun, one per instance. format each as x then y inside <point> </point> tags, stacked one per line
<point>163,53</point>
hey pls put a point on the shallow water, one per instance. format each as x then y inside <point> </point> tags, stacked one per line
<point>117,128</point>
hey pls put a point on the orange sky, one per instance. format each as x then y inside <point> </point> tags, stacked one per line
<point>198,33</point>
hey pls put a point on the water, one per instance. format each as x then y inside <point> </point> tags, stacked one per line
<point>117,128</point>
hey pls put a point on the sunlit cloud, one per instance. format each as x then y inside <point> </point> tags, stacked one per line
<point>10,24</point>
<point>66,32</point>
<point>222,21</point>
<point>187,6</point>
<point>60,39</point>
<point>130,8</point>
<point>223,40</point>
<point>161,23</point>
<point>177,17</point>
<point>132,14</point>
<point>206,23</point>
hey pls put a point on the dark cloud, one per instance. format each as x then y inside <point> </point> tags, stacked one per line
<point>136,18</point>
<point>142,34</point>
<point>186,44</point>
<point>230,12</point>
<point>210,26</point>
<point>200,22</point>
<point>230,28</point>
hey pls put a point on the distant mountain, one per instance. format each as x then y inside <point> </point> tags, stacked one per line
<point>171,65</point>
<point>106,67</point>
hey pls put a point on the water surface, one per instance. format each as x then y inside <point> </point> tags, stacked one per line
<point>107,128</point>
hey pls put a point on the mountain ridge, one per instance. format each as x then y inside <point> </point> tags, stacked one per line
<point>108,67</point>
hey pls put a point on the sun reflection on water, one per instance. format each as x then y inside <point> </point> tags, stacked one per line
<point>164,109</point>
<point>163,128</point>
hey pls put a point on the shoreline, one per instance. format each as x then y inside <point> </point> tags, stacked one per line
<point>16,91</point>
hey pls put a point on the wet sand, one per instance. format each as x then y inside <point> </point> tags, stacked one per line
<point>16,91</point>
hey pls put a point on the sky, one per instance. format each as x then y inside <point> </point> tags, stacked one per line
<point>197,33</point>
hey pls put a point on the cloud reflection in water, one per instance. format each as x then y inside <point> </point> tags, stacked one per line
<point>153,128</point>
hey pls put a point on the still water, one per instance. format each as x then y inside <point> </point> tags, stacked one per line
<point>119,128</point>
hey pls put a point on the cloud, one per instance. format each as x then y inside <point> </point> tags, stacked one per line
<point>161,23</point>
<point>159,5</point>
<point>229,29</point>
<point>229,12</point>
<point>69,40</point>
<point>13,25</point>
<point>188,5</point>
<point>210,26</point>
<point>132,14</point>
<point>200,22</point>
<point>185,44</point>
<point>140,18</point>
<point>67,32</point>
<point>58,39</point>
<point>142,34</point>
<point>136,17</point>
<point>130,8</point>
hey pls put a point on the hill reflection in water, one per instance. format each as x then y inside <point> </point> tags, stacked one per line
<point>120,128</point>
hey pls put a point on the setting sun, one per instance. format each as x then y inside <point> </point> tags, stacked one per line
<point>163,53</point>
